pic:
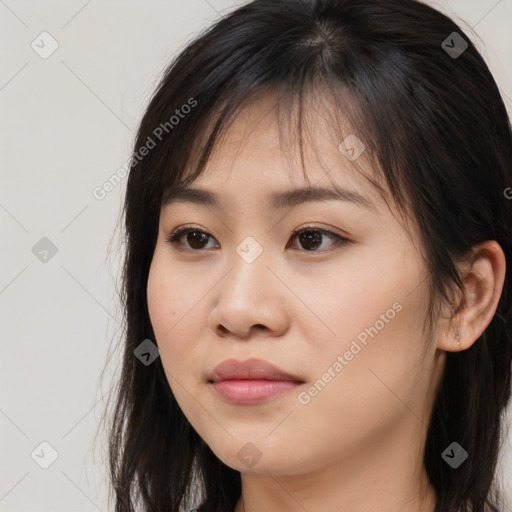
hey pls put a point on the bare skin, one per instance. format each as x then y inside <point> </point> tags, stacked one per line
<point>356,444</point>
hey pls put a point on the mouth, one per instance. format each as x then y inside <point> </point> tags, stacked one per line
<point>248,391</point>
<point>251,381</point>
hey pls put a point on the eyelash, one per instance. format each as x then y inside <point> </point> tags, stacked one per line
<point>174,237</point>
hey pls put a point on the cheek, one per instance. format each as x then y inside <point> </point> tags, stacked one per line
<point>175,326</point>
<point>378,376</point>
<point>348,299</point>
<point>165,310</point>
<point>158,299</point>
<point>373,320</point>
<point>174,310</point>
<point>170,298</point>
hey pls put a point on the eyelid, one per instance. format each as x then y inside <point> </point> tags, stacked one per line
<point>179,229</point>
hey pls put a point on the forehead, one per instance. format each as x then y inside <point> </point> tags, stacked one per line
<point>256,157</point>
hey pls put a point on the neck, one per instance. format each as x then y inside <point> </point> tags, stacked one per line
<point>420,499</point>
<point>386,476</point>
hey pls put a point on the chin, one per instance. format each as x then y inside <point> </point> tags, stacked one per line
<point>256,457</point>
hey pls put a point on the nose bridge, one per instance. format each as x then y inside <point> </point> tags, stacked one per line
<point>249,274</point>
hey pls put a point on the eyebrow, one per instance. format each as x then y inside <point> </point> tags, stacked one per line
<point>279,200</point>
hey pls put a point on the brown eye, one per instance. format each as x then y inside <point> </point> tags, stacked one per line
<point>196,238</point>
<point>311,238</point>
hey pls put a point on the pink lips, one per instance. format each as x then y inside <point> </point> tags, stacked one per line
<point>251,381</point>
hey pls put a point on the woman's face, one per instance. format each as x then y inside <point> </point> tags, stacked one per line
<point>341,311</point>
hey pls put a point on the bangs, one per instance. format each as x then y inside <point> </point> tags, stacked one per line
<point>297,110</point>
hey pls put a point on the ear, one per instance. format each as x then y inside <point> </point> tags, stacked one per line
<point>483,279</point>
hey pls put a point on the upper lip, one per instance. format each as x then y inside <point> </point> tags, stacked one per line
<point>232,369</point>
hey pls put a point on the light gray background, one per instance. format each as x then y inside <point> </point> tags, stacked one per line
<point>68,123</point>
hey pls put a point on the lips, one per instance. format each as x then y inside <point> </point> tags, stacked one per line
<point>251,369</point>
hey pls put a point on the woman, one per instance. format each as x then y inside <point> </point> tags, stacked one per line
<point>317,278</point>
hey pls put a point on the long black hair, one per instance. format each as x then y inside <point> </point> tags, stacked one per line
<point>432,119</point>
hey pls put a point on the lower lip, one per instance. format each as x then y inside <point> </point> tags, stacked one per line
<point>252,391</point>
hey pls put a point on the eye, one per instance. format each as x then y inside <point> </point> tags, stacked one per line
<point>195,236</point>
<point>309,237</point>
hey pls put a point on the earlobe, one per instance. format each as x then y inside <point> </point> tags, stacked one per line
<point>483,284</point>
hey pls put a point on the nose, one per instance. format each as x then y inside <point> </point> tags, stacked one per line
<point>249,301</point>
